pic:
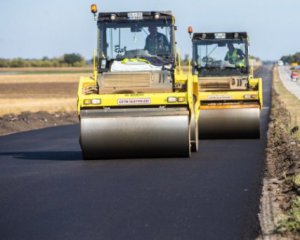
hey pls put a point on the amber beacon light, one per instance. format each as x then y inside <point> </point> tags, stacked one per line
<point>94,8</point>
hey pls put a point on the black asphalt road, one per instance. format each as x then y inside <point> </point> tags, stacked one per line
<point>48,192</point>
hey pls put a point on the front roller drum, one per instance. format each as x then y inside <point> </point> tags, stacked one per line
<point>131,133</point>
<point>229,123</point>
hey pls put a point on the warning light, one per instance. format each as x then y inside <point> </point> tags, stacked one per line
<point>94,8</point>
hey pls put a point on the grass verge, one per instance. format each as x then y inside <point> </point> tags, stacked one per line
<point>283,162</point>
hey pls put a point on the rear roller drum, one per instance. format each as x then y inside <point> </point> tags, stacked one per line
<point>229,123</point>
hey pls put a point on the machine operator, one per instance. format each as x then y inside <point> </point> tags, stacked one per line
<point>156,43</point>
<point>235,56</point>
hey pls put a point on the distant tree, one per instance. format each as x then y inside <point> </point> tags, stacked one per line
<point>287,59</point>
<point>291,58</point>
<point>55,63</point>
<point>73,59</point>
<point>4,63</point>
<point>46,63</point>
<point>17,62</point>
<point>67,60</point>
<point>297,57</point>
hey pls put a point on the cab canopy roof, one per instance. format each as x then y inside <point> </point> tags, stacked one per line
<point>220,35</point>
<point>134,16</point>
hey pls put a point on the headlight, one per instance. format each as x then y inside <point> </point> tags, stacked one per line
<point>175,99</point>
<point>156,15</point>
<point>250,96</point>
<point>172,99</point>
<point>113,17</point>
<point>92,101</point>
<point>181,99</point>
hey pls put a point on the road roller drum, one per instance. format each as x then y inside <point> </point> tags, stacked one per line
<point>229,123</point>
<point>134,133</point>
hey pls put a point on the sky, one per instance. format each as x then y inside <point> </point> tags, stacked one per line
<point>35,28</point>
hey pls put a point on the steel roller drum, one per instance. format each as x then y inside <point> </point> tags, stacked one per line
<point>130,133</point>
<point>229,123</point>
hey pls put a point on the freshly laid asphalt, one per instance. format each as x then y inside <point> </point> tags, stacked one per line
<point>48,192</point>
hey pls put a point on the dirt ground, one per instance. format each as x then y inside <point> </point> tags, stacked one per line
<point>25,121</point>
<point>280,216</point>
<point>38,92</point>
<point>47,70</point>
<point>31,101</point>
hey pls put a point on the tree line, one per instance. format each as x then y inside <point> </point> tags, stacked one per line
<point>295,58</point>
<point>67,60</point>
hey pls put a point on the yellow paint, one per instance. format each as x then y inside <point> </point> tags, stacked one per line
<point>294,64</point>
<point>153,99</point>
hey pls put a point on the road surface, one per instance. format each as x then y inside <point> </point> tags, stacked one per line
<point>285,77</point>
<point>48,192</point>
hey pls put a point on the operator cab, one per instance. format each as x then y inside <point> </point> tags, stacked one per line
<point>220,54</point>
<point>135,36</point>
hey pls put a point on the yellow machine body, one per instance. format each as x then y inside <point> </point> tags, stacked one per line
<point>230,99</point>
<point>136,124</point>
<point>136,113</point>
<point>231,114</point>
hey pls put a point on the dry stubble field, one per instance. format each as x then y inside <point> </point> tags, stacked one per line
<point>38,98</point>
<point>38,92</point>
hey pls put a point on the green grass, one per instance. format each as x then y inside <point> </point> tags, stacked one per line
<point>291,223</point>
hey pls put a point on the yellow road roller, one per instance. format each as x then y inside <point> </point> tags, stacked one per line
<point>138,102</point>
<point>230,96</point>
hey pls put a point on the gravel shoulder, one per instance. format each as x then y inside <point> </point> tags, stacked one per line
<point>280,208</point>
<point>32,100</point>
